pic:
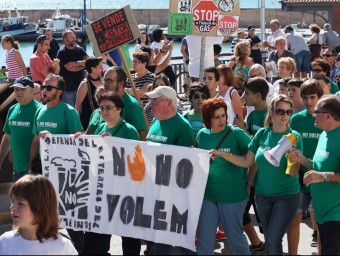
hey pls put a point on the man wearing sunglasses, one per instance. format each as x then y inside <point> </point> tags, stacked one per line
<point>329,55</point>
<point>18,127</point>
<point>56,117</point>
<point>40,63</point>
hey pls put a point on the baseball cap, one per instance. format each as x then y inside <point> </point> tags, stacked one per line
<point>23,82</point>
<point>251,27</point>
<point>165,91</point>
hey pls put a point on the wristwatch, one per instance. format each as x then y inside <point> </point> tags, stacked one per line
<point>324,176</point>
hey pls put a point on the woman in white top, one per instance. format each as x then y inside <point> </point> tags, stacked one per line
<point>34,209</point>
<point>142,41</point>
<point>228,92</point>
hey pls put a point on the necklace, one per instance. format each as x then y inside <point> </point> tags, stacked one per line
<point>94,79</point>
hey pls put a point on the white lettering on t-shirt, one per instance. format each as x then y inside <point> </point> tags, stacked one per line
<point>310,135</point>
<point>19,123</point>
<point>47,124</point>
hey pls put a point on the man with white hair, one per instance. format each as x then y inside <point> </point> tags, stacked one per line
<point>276,32</point>
<point>168,127</point>
<point>331,38</point>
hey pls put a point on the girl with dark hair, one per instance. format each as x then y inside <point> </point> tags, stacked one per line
<point>142,41</point>
<point>85,103</point>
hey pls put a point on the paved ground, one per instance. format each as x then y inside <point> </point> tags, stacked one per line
<point>221,247</point>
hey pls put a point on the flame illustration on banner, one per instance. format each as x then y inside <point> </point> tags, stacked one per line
<point>137,167</point>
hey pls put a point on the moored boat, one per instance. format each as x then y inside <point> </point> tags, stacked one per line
<point>15,26</point>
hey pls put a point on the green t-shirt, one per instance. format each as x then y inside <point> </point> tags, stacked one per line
<point>225,180</point>
<point>60,119</point>
<point>303,123</point>
<point>271,180</point>
<point>95,121</point>
<point>173,131</point>
<point>255,120</point>
<point>125,130</point>
<point>334,87</point>
<point>326,195</point>
<point>19,125</point>
<point>132,113</point>
<point>195,120</point>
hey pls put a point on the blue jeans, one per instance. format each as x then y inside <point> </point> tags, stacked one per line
<point>231,216</point>
<point>302,60</point>
<point>69,97</point>
<point>18,175</point>
<point>276,213</point>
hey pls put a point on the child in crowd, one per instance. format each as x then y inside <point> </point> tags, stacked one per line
<point>293,87</point>
<point>34,209</point>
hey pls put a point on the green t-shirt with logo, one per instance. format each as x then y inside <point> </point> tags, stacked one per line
<point>326,195</point>
<point>121,130</point>
<point>255,120</point>
<point>60,119</point>
<point>303,123</point>
<point>271,180</point>
<point>132,113</point>
<point>19,125</point>
<point>225,180</point>
<point>173,131</point>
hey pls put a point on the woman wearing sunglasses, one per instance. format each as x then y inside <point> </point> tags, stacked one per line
<point>198,94</point>
<point>276,193</point>
<point>225,196</point>
<point>110,107</point>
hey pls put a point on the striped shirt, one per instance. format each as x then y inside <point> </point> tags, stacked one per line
<point>14,68</point>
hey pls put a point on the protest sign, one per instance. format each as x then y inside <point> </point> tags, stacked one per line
<point>129,188</point>
<point>202,17</point>
<point>115,29</point>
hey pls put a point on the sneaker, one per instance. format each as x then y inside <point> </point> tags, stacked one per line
<point>258,250</point>
<point>314,242</point>
<point>220,235</point>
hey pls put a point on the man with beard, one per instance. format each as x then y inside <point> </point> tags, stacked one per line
<point>18,127</point>
<point>56,117</point>
<point>72,62</point>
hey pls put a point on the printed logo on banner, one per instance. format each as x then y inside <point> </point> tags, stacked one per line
<point>205,16</point>
<point>184,6</point>
<point>181,24</point>
<point>227,25</point>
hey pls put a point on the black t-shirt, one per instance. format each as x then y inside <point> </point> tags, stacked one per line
<point>65,56</point>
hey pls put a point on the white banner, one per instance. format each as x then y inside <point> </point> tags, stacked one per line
<point>127,188</point>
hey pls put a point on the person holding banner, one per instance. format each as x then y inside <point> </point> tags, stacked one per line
<point>277,193</point>
<point>168,127</point>
<point>110,106</point>
<point>225,195</point>
<point>115,80</point>
<point>56,117</point>
<point>34,209</point>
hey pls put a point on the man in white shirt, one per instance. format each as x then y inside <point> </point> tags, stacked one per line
<point>276,32</point>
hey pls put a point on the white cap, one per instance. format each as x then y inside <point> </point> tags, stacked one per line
<point>165,91</point>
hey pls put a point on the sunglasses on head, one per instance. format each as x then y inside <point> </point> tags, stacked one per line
<point>48,88</point>
<point>327,55</point>
<point>281,112</point>
<point>202,96</point>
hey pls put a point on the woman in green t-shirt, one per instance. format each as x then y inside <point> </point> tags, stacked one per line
<point>225,196</point>
<point>276,193</point>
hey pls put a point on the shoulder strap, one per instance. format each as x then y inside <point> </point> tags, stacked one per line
<point>231,92</point>
<point>224,137</point>
<point>89,95</point>
<point>120,126</point>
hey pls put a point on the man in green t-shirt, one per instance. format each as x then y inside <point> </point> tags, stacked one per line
<point>115,81</point>
<point>323,176</point>
<point>56,117</point>
<point>18,127</point>
<point>303,122</point>
<point>168,127</point>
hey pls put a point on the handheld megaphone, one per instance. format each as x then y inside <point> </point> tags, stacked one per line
<point>274,155</point>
